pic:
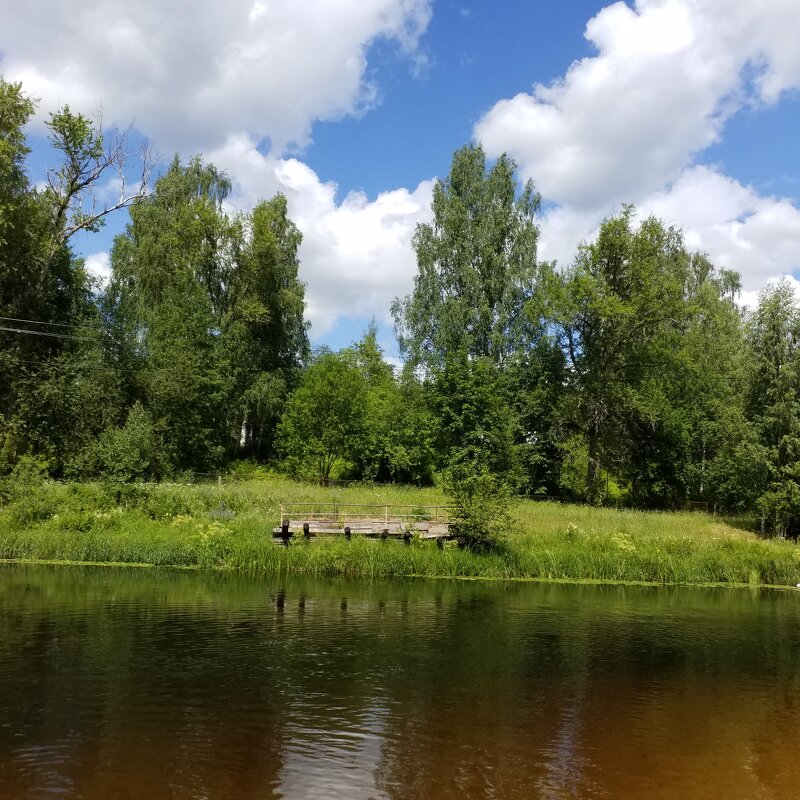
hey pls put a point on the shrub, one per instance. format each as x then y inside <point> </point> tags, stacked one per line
<point>481,506</point>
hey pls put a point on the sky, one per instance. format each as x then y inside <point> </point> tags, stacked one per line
<point>689,109</point>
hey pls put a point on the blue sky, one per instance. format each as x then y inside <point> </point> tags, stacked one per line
<point>688,108</point>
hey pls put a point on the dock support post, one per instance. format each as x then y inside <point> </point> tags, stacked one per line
<point>347,532</point>
<point>306,530</point>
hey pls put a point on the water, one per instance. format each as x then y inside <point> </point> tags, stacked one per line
<point>119,683</point>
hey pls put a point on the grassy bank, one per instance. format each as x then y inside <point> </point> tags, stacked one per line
<point>171,525</point>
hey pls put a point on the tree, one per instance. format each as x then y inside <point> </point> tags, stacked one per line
<point>622,314</point>
<point>476,265</point>
<point>465,322</point>
<point>164,275</point>
<point>773,405</point>
<point>264,333</point>
<point>398,440</point>
<point>89,155</point>
<point>325,417</point>
<point>52,366</point>
<point>212,314</point>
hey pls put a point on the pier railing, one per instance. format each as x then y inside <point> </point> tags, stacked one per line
<point>363,512</point>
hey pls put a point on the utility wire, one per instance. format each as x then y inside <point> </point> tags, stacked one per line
<point>45,333</point>
<point>142,369</point>
<point>50,324</point>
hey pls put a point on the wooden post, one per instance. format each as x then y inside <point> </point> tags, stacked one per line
<point>306,530</point>
<point>347,532</point>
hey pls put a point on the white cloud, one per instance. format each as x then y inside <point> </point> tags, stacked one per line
<point>667,76</point>
<point>98,265</point>
<point>193,71</point>
<point>757,236</point>
<point>626,125</point>
<point>749,299</point>
<point>356,255</point>
<point>739,228</point>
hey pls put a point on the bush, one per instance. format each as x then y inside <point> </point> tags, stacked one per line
<point>481,507</point>
<point>123,454</point>
<point>25,493</point>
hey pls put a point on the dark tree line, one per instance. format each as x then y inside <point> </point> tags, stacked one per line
<point>628,376</point>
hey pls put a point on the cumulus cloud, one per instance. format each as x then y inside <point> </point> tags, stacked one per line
<point>757,236</point>
<point>98,265</point>
<point>627,124</point>
<point>667,76</point>
<point>739,228</point>
<point>193,71</point>
<point>356,254</point>
<point>226,78</point>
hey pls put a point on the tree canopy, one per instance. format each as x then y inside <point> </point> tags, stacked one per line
<point>629,376</point>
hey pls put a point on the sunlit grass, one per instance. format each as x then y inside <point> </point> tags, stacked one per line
<point>171,525</point>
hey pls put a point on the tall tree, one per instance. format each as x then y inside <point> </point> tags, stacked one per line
<point>51,346</point>
<point>773,405</point>
<point>214,313</point>
<point>622,313</point>
<point>476,265</point>
<point>264,332</point>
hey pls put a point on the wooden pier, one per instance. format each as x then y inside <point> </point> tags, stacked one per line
<point>311,520</point>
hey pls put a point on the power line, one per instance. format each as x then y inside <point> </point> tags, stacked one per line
<point>45,333</point>
<point>143,369</point>
<point>55,363</point>
<point>50,324</point>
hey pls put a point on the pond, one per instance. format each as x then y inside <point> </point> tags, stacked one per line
<point>125,683</point>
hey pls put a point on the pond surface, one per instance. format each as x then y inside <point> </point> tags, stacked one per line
<point>118,683</point>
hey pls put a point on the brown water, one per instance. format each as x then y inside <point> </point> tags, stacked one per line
<point>144,684</point>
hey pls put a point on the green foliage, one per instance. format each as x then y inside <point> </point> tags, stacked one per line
<point>773,405</point>
<point>25,492</point>
<point>325,418</point>
<point>640,320</point>
<point>169,525</point>
<point>399,434</point>
<point>476,265</point>
<point>213,315</point>
<point>477,426</point>
<point>130,452</point>
<point>481,502</point>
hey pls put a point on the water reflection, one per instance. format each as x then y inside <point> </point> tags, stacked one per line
<point>125,683</point>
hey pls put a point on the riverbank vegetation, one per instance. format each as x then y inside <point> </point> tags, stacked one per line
<point>180,525</point>
<point>629,377</point>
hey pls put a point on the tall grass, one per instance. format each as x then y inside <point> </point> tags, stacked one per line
<point>171,525</point>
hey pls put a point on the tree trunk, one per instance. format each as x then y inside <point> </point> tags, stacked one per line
<point>592,466</point>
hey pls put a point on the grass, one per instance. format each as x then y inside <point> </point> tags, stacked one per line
<point>170,525</point>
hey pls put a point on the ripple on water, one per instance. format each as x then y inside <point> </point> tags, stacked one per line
<point>119,684</point>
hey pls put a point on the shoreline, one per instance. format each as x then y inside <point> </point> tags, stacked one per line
<point>175,526</point>
<point>475,578</point>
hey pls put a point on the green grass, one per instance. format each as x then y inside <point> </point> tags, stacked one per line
<point>169,525</point>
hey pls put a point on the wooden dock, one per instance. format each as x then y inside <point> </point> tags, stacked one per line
<point>311,520</point>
